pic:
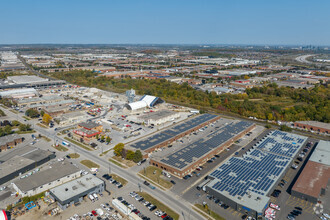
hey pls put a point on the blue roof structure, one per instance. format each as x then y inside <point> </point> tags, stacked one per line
<point>259,169</point>
<point>168,134</point>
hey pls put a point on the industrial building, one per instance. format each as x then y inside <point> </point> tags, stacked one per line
<point>244,182</point>
<point>20,160</point>
<point>170,135</point>
<point>18,93</point>
<point>74,191</point>
<point>158,117</point>
<point>26,79</point>
<point>71,118</point>
<point>185,160</point>
<point>10,141</point>
<point>147,101</point>
<point>314,179</point>
<point>86,131</point>
<point>315,126</point>
<point>57,174</point>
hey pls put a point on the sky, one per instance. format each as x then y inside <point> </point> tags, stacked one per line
<point>253,22</point>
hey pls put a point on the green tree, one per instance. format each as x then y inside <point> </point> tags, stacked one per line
<point>102,137</point>
<point>137,156</point>
<point>285,128</point>
<point>130,155</point>
<point>32,113</point>
<point>118,149</point>
<point>42,113</point>
<point>108,139</point>
<point>15,123</point>
<point>7,129</point>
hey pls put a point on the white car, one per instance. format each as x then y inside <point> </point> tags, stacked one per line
<point>326,215</point>
<point>103,206</point>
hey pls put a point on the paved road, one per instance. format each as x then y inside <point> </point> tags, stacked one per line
<point>303,58</point>
<point>170,199</point>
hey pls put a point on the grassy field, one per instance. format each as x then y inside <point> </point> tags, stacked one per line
<point>117,163</point>
<point>119,179</point>
<point>61,148</point>
<point>25,132</point>
<point>209,212</point>
<point>27,118</point>
<point>42,125</point>
<point>79,144</point>
<point>159,205</point>
<point>46,138</point>
<point>155,174</point>
<point>127,163</point>
<point>74,155</point>
<point>89,164</point>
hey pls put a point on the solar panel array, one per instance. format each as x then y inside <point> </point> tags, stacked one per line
<point>187,155</point>
<point>258,169</point>
<point>172,132</point>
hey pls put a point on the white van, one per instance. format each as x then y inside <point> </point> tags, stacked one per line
<point>91,198</point>
<point>95,196</point>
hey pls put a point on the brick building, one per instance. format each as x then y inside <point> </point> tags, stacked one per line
<point>313,126</point>
<point>87,131</point>
<point>10,141</point>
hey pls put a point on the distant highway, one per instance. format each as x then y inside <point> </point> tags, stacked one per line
<point>303,58</point>
<point>32,70</point>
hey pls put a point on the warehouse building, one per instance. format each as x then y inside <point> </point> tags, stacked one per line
<point>71,118</point>
<point>74,191</point>
<point>10,141</point>
<point>147,101</point>
<point>166,137</point>
<point>20,160</point>
<point>158,117</point>
<point>185,160</point>
<point>57,174</point>
<point>315,126</point>
<point>18,93</point>
<point>244,182</point>
<point>314,179</point>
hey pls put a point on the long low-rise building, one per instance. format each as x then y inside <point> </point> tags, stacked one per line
<point>20,160</point>
<point>10,141</point>
<point>244,182</point>
<point>57,174</point>
<point>74,191</point>
<point>158,117</point>
<point>187,159</point>
<point>314,126</point>
<point>170,135</point>
<point>314,179</point>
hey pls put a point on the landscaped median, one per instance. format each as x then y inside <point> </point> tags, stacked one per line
<point>89,164</point>
<point>207,213</point>
<point>155,175</point>
<point>79,144</point>
<point>74,155</point>
<point>60,148</point>
<point>159,205</point>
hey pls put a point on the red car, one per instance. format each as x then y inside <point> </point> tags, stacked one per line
<point>164,215</point>
<point>94,213</point>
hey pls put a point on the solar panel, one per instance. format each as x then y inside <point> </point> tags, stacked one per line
<point>172,132</point>
<point>260,167</point>
<point>186,155</point>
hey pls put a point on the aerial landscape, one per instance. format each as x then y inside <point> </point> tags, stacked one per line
<point>174,110</point>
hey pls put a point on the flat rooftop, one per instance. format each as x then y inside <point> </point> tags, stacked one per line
<point>9,138</point>
<point>314,177</point>
<point>76,187</point>
<point>89,125</point>
<point>189,154</point>
<point>54,172</point>
<point>315,124</point>
<point>157,115</point>
<point>248,179</point>
<point>167,134</point>
<point>13,164</point>
<point>26,79</point>
<point>321,153</point>
<point>27,151</point>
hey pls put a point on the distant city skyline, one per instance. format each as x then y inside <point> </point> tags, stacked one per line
<point>241,22</point>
